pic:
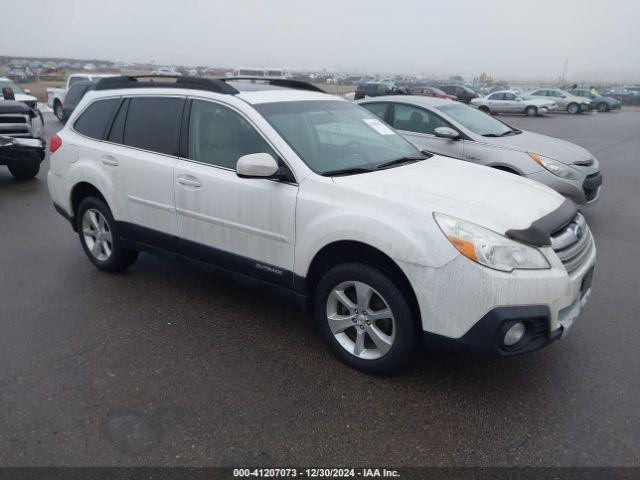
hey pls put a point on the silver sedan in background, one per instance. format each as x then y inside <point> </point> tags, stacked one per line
<point>565,100</point>
<point>456,130</point>
<point>512,101</point>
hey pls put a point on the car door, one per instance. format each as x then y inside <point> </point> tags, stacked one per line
<point>496,102</point>
<point>557,97</point>
<point>144,151</point>
<point>245,225</point>
<point>418,125</point>
<point>511,104</point>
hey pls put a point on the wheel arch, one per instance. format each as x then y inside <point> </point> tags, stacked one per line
<point>350,251</point>
<point>79,192</point>
<point>505,168</point>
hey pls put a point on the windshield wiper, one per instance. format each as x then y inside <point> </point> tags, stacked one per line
<point>347,171</point>
<point>398,161</point>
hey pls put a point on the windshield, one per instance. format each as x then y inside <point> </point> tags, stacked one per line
<point>332,135</point>
<point>476,121</point>
<point>10,84</point>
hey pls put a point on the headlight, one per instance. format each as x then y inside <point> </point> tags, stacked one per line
<point>559,169</point>
<point>489,248</point>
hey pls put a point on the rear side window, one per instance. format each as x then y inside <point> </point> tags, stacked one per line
<point>153,124</point>
<point>93,121</point>
<point>378,109</point>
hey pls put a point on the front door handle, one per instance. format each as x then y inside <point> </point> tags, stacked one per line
<point>109,160</point>
<point>189,181</point>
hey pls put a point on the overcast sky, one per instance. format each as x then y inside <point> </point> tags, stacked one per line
<point>511,39</point>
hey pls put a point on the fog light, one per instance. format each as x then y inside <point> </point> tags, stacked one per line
<point>514,334</point>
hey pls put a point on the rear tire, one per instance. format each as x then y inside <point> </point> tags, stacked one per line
<point>24,170</point>
<point>57,110</point>
<point>603,107</point>
<point>531,111</point>
<point>100,237</point>
<point>573,108</point>
<point>365,318</point>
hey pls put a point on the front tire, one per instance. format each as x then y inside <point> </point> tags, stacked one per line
<point>531,111</point>
<point>485,109</point>
<point>365,318</point>
<point>603,107</point>
<point>100,237</point>
<point>573,108</point>
<point>24,170</point>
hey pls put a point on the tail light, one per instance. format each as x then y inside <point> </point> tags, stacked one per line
<point>55,144</point>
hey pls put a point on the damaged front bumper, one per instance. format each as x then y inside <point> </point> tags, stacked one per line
<point>13,150</point>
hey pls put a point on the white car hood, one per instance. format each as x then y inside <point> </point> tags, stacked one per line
<point>561,150</point>
<point>485,196</point>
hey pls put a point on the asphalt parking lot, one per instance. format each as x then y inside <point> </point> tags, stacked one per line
<point>169,364</point>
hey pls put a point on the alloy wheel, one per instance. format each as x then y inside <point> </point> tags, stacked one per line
<point>97,234</point>
<point>361,320</point>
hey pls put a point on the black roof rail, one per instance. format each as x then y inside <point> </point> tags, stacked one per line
<point>138,81</point>
<point>278,82</point>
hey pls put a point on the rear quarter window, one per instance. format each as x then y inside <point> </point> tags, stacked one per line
<point>93,121</point>
<point>153,124</point>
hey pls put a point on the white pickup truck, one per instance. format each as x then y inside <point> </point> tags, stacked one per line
<point>56,95</point>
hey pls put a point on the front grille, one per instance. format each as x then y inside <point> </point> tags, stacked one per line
<point>15,125</point>
<point>573,244</point>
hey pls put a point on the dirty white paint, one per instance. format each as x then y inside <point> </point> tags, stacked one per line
<point>285,225</point>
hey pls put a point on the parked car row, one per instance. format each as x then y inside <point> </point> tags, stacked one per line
<point>388,244</point>
<point>536,102</point>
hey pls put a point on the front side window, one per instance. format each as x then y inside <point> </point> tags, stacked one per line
<point>540,93</point>
<point>477,121</point>
<point>330,135</point>
<point>220,136</point>
<point>153,124</point>
<point>497,96</point>
<point>415,119</point>
<point>93,121</point>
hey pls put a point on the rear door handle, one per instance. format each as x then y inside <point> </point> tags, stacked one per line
<point>189,181</point>
<point>109,160</point>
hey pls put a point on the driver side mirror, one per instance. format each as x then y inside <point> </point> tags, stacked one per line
<point>446,132</point>
<point>257,165</point>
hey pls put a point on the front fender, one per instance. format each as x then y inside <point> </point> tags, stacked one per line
<point>407,235</point>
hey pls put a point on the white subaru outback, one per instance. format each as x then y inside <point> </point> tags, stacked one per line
<point>313,194</point>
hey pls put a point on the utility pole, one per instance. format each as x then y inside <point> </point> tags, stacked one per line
<point>564,70</point>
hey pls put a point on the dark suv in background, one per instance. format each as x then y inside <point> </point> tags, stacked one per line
<point>464,94</point>
<point>378,90</point>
